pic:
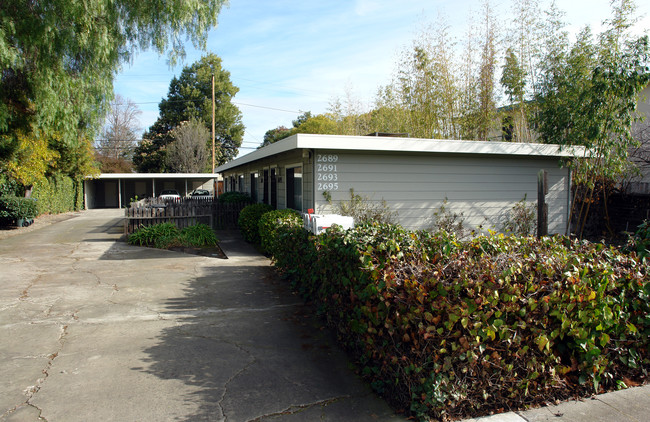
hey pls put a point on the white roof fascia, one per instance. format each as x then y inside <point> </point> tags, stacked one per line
<point>413,145</point>
<point>155,176</point>
<point>283,145</point>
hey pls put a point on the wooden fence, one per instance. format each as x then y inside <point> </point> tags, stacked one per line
<point>183,212</point>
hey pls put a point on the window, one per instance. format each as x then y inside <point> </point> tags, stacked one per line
<point>294,188</point>
<point>240,183</point>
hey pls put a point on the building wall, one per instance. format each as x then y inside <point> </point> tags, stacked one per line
<point>280,164</point>
<point>483,188</point>
<point>415,186</point>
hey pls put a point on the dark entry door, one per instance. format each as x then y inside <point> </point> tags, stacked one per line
<point>274,189</point>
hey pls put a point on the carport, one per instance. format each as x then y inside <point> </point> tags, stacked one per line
<point>114,190</point>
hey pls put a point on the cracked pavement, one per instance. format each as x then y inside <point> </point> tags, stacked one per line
<point>94,329</point>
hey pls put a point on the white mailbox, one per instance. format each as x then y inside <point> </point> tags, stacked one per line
<point>307,220</point>
<point>321,223</point>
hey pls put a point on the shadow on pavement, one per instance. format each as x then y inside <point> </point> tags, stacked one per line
<point>251,350</point>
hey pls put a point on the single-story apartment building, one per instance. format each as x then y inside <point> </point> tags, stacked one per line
<point>481,180</point>
<point>115,190</point>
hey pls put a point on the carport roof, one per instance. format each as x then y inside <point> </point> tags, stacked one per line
<point>396,144</point>
<point>109,176</point>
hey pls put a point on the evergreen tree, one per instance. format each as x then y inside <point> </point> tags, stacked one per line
<point>190,97</point>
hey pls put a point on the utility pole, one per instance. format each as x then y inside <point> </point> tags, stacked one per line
<point>214,181</point>
<point>213,158</point>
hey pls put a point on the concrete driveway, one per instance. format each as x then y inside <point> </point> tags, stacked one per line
<point>95,330</point>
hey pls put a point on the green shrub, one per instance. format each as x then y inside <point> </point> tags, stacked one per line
<point>640,241</point>
<point>149,235</point>
<point>14,208</point>
<point>521,220</point>
<point>9,187</point>
<point>452,329</point>
<point>199,235</point>
<point>58,194</point>
<point>271,222</point>
<point>167,235</point>
<point>249,219</point>
<point>232,197</point>
<point>365,210</point>
<point>449,221</point>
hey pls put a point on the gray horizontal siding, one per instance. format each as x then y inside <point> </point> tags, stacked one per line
<point>483,188</point>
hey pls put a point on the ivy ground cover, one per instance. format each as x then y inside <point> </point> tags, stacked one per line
<point>447,329</point>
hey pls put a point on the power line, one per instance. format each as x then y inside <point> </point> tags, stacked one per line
<point>233,102</point>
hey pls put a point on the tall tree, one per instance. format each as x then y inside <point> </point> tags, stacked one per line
<point>349,114</point>
<point>59,58</point>
<point>274,135</point>
<point>190,97</point>
<point>119,136</point>
<point>304,123</point>
<point>188,152</point>
<point>468,82</point>
<point>487,72</point>
<point>425,85</point>
<point>513,80</point>
<point>589,95</point>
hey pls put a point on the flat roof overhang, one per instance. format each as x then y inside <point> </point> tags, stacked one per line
<point>413,145</point>
<point>109,176</point>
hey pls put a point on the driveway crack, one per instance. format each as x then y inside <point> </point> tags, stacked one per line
<point>252,361</point>
<point>31,391</point>
<point>297,408</point>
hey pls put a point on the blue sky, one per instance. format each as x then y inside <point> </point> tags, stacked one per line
<point>290,56</point>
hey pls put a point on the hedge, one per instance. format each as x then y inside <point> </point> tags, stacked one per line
<point>249,219</point>
<point>271,223</point>
<point>234,197</point>
<point>58,194</point>
<point>15,208</point>
<point>449,329</point>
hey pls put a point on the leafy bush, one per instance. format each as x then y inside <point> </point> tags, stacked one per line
<point>271,222</point>
<point>446,220</point>
<point>521,220</point>
<point>450,329</point>
<point>148,235</point>
<point>58,194</point>
<point>167,235</point>
<point>364,210</point>
<point>232,197</point>
<point>640,241</point>
<point>249,219</point>
<point>199,235</point>
<point>9,186</point>
<point>14,208</point>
